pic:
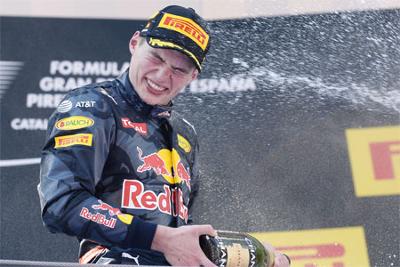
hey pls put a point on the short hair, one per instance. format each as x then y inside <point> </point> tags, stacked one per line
<point>141,40</point>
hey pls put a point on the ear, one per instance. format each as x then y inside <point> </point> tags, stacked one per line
<point>195,73</point>
<point>133,43</point>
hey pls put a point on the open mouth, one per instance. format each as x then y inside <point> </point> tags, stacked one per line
<point>155,88</point>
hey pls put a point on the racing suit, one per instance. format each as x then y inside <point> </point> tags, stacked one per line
<point>113,168</point>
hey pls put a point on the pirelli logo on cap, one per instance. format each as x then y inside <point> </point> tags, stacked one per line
<point>186,27</point>
<point>72,140</point>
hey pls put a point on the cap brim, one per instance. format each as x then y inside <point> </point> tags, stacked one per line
<point>158,43</point>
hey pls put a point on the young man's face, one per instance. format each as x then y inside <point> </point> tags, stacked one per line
<point>158,75</point>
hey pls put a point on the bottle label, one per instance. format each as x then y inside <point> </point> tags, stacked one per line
<point>237,256</point>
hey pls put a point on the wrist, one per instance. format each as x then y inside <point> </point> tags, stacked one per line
<point>140,234</point>
<point>160,236</point>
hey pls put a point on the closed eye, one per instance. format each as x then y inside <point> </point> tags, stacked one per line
<point>157,57</point>
<point>178,70</point>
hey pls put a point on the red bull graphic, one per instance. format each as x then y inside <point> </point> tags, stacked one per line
<point>166,163</point>
<point>170,201</point>
<point>152,162</point>
<point>183,173</point>
<point>98,218</point>
<point>104,206</point>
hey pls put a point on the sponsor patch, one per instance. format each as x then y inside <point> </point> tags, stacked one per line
<point>184,144</point>
<point>337,247</point>
<point>98,218</point>
<point>123,217</point>
<point>166,163</point>
<point>375,160</point>
<point>139,127</point>
<point>72,140</point>
<point>187,27</point>
<point>104,206</point>
<point>64,106</point>
<point>169,202</point>
<point>74,123</point>
<point>85,104</point>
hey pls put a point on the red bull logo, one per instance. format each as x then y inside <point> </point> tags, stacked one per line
<point>169,202</point>
<point>166,163</point>
<point>183,173</point>
<point>104,206</point>
<point>97,218</point>
<point>152,162</point>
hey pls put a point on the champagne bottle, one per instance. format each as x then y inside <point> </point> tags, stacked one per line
<point>236,249</point>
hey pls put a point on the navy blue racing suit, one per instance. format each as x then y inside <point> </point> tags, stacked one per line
<point>113,168</point>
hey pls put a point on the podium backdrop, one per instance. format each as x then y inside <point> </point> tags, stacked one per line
<point>298,118</point>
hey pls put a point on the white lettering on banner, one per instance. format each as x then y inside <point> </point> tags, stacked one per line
<point>169,202</point>
<point>29,124</point>
<point>60,84</point>
<point>87,68</point>
<point>236,83</point>
<point>43,100</point>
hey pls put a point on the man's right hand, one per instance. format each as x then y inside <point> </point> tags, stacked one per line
<point>181,245</point>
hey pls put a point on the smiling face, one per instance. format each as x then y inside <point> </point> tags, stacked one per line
<point>158,75</point>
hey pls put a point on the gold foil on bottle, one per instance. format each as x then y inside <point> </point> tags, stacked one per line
<point>237,256</point>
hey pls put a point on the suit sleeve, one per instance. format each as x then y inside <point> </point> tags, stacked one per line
<point>79,138</point>
<point>195,184</point>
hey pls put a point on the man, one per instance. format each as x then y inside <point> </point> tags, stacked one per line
<point>119,169</point>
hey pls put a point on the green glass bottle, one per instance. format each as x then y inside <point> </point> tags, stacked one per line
<point>236,249</point>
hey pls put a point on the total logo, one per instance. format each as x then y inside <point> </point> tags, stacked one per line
<point>166,163</point>
<point>139,127</point>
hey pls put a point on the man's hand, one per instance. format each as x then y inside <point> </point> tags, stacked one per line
<point>280,259</point>
<point>181,245</point>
